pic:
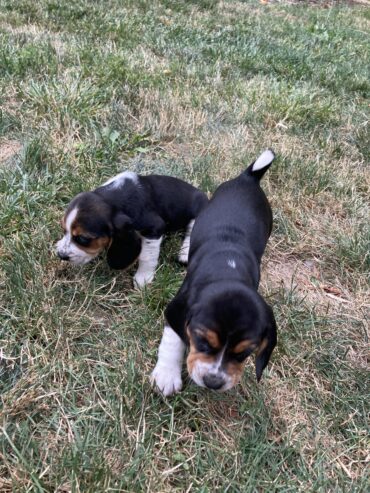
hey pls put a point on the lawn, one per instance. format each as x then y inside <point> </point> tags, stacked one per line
<point>194,89</point>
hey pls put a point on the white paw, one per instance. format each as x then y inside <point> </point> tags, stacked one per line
<point>143,278</point>
<point>166,380</point>
<point>183,257</point>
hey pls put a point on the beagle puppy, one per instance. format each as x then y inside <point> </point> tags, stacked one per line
<point>128,215</point>
<point>218,313</point>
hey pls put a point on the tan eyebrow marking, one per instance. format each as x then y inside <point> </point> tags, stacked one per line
<point>242,346</point>
<point>212,338</point>
<point>77,230</point>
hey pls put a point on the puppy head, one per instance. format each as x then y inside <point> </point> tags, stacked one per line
<point>87,229</point>
<point>223,331</point>
<point>91,225</point>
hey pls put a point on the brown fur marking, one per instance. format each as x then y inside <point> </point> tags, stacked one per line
<point>262,346</point>
<point>210,335</point>
<point>233,369</point>
<point>212,338</point>
<point>195,355</point>
<point>96,245</point>
<point>242,346</point>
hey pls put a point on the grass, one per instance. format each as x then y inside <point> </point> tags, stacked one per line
<point>193,89</point>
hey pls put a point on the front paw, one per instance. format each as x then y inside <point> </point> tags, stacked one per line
<point>183,257</point>
<point>141,279</point>
<point>166,380</point>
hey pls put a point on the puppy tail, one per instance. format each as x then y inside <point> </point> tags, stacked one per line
<point>259,167</point>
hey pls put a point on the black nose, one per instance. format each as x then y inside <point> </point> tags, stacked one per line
<point>213,381</point>
<point>62,256</point>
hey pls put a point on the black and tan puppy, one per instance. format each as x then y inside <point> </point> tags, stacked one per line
<point>218,312</point>
<point>128,215</point>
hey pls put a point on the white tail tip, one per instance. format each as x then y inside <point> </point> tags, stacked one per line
<point>263,160</point>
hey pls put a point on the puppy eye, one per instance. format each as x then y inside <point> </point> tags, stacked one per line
<point>81,240</point>
<point>203,346</point>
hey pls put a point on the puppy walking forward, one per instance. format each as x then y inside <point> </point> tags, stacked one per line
<point>218,312</point>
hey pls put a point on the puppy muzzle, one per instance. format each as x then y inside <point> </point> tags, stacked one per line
<point>214,381</point>
<point>66,251</point>
<point>63,256</point>
<point>209,376</point>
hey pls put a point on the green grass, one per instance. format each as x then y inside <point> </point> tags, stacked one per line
<point>194,89</point>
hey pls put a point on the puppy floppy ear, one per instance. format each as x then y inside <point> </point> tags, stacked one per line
<point>176,312</point>
<point>126,244</point>
<point>124,250</point>
<point>121,223</point>
<point>267,345</point>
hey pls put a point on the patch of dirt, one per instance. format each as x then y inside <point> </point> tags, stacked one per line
<point>293,421</point>
<point>305,278</point>
<point>35,33</point>
<point>8,149</point>
<point>288,411</point>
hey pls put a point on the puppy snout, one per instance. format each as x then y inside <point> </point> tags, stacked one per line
<point>63,256</point>
<point>213,382</point>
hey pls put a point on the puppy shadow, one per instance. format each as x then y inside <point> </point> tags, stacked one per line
<point>98,271</point>
<point>171,249</point>
<point>242,408</point>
